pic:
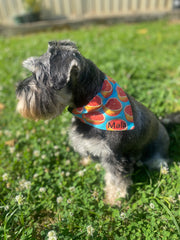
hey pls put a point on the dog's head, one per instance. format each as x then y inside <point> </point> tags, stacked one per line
<point>47,91</point>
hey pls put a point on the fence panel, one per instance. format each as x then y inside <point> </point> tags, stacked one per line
<point>74,9</point>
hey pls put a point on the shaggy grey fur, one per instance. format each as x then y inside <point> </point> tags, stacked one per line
<point>61,77</point>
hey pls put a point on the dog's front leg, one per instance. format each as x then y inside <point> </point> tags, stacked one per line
<point>117,183</point>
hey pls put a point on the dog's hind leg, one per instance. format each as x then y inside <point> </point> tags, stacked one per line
<point>157,152</point>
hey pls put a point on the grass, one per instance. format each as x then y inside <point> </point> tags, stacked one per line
<point>45,192</point>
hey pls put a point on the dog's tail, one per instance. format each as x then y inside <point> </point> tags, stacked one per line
<point>171,119</point>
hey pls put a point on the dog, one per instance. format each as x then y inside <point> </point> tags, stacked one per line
<point>63,77</point>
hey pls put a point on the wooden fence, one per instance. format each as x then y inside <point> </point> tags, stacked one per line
<point>79,9</point>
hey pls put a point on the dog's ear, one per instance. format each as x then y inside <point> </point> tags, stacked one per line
<point>30,64</point>
<point>73,71</point>
<point>34,65</point>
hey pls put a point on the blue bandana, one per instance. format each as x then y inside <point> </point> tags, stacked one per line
<point>109,110</point>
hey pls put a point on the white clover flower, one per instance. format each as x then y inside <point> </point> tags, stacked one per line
<point>81,172</point>
<point>11,150</point>
<point>7,133</point>
<point>85,161</point>
<point>95,195</point>
<point>46,170</point>
<point>69,201</point>
<point>68,162</point>
<point>42,128</point>
<point>57,154</point>
<point>43,156</point>
<point>123,215</point>
<point>6,208</point>
<point>63,131</point>
<point>52,235</point>
<point>5,176</point>
<point>36,153</point>
<point>24,184</point>
<point>67,174</point>
<point>171,199</point>
<point>56,147</point>
<point>90,230</point>
<point>59,199</point>
<point>18,155</point>
<point>27,136</point>
<point>18,133</point>
<point>164,170</point>
<point>27,185</point>
<point>35,175</point>
<point>19,199</point>
<point>98,167</point>
<point>72,189</point>
<point>42,190</point>
<point>152,205</point>
<point>71,214</point>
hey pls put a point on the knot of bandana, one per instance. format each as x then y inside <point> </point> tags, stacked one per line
<point>109,110</point>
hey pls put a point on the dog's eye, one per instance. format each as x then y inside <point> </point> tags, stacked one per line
<point>76,55</point>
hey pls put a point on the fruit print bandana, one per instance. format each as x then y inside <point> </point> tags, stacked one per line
<point>109,110</point>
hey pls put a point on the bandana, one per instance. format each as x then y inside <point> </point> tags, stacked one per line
<point>109,110</point>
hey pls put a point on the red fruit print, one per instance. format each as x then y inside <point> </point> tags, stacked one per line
<point>94,104</point>
<point>128,113</point>
<point>94,117</point>
<point>121,94</point>
<point>113,107</point>
<point>77,110</point>
<point>107,89</point>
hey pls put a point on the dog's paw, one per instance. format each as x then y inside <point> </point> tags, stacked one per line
<point>112,202</point>
<point>113,195</point>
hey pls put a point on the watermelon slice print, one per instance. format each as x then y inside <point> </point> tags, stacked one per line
<point>77,110</point>
<point>113,107</point>
<point>128,113</point>
<point>111,80</point>
<point>94,104</point>
<point>107,89</point>
<point>121,94</point>
<point>94,117</point>
<point>116,125</point>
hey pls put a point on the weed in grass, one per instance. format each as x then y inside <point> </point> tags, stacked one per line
<point>45,190</point>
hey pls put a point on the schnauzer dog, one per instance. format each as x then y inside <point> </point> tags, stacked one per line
<point>108,124</point>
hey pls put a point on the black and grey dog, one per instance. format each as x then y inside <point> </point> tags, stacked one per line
<point>63,77</point>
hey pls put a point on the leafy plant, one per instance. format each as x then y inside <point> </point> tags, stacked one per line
<point>32,5</point>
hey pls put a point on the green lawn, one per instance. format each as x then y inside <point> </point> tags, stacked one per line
<point>43,185</point>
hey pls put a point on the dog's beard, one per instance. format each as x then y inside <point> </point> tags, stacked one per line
<point>41,103</point>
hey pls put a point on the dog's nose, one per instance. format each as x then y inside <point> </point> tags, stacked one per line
<point>20,86</point>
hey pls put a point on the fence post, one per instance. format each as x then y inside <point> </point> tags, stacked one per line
<point>78,6</point>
